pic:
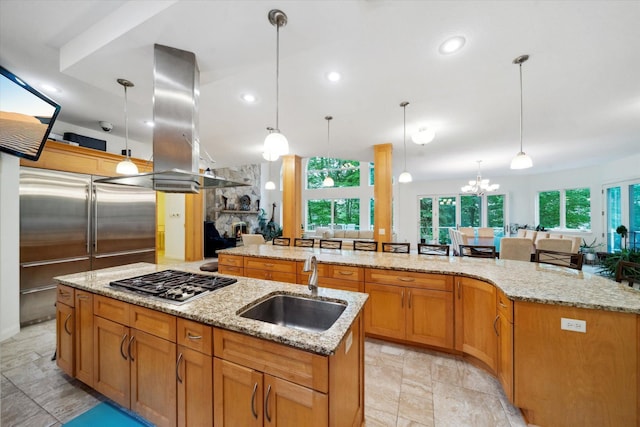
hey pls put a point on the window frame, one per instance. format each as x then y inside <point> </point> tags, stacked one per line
<point>563,209</point>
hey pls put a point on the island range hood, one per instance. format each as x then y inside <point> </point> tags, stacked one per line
<point>176,147</point>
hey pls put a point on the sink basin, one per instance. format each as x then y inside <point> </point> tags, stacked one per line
<point>302,313</point>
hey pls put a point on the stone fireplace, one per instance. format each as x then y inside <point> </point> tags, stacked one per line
<point>238,229</point>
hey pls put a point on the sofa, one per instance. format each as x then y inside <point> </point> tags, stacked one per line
<point>347,236</point>
<point>536,236</point>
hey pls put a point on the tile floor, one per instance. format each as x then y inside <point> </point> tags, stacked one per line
<point>404,387</point>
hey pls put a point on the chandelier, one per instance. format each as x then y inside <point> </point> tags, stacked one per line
<point>480,186</point>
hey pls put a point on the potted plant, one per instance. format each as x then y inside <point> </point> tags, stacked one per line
<point>622,231</point>
<point>589,249</point>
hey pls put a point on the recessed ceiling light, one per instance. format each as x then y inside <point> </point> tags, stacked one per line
<point>333,76</point>
<point>149,123</point>
<point>248,98</point>
<point>452,45</point>
<point>50,88</point>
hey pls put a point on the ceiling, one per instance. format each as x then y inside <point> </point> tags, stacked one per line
<point>581,86</point>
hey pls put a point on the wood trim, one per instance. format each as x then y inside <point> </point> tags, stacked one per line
<point>193,227</point>
<point>291,196</point>
<point>383,192</point>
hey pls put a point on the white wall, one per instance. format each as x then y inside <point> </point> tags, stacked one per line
<point>174,226</point>
<point>9,246</point>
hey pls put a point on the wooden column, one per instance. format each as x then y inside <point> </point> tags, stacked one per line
<point>193,227</point>
<point>291,196</point>
<point>382,192</point>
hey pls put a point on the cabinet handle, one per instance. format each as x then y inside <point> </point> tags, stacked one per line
<point>178,368</point>
<point>253,401</point>
<point>83,297</point>
<point>406,279</point>
<point>402,299</point>
<point>129,348</point>
<point>502,305</point>
<point>66,321</point>
<point>409,299</point>
<point>124,338</point>
<point>459,290</point>
<point>266,264</point>
<point>346,273</point>
<point>495,325</point>
<point>193,337</point>
<point>266,404</point>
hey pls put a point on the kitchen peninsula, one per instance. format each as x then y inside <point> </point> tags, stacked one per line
<point>200,363</point>
<point>564,344</point>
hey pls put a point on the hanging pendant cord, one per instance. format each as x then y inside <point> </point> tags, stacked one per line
<point>404,137</point>
<point>126,123</point>
<point>520,106</point>
<point>277,73</point>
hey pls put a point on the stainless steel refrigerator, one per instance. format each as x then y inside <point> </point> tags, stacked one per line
<point>70,224</point>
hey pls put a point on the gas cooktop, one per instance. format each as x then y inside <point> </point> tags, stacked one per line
<point>174,286</point>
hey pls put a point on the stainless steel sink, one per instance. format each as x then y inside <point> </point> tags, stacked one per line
<point>296,312</point>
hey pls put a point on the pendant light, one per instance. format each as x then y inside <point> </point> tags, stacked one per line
<point>328,181</point>
<point>521,160</point>
<point>270,185</point>
<point>276,144</point>
<point>405,176</point>
<point>126,166</point>
<point>480,186</point>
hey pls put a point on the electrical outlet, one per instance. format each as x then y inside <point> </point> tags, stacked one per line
<point>574,325</point>
<point>381,231</point>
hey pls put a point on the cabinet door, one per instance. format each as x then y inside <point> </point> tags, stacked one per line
<point>430,317</point>
<point>384,311</point>
<point>65,338</point>
<point>111,360</point>
<point>84,337</point>
<point>153,380</point>
<point>291,405</point>
<point>237,395</point>
<point>505,355</point>
<point>475,305</point>
<point>195,388</point>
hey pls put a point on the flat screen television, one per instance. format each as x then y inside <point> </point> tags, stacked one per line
<point>26,117</point>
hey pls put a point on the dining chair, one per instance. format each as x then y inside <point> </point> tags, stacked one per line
<point>628,271</point>
<point>563,259</point>
<point>399,248</point>
<point>365,245</point>
<point>478,251</point>
<point>303,243</point>
<point>516,248</point>
<point>558,245</point>
<point>467,231</point>
<point>330,244</point>
<point>429,249</point>
<point>281,241</point>
<point>485,232</point>
<point>252,239</point>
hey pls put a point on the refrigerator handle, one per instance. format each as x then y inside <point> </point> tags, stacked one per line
<point>95,219</point>
<point>88,218</point>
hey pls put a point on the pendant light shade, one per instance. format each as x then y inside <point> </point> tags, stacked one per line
<point>126,166</point>
<point>405,176</point>
<point>270,185</point>
<point>521,160</point>
<point>423,136</point>
<point>276,144</point>
<point>328,181</point>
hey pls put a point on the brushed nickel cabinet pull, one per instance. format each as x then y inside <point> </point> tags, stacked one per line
<point>409,299</point>
<point>266,404</point>
<point>253,401</point>
<point>502,305</point>
<point>129,348</point>
<point>346,273</point>
<point>193,337</point>
<point>406,279</point>
<point>83,297</point>
<point>268,264</point>
<point>178,368</point>
<point>459,290</point>
<point>124,338</point>
<point>66,321</point>
<point>402,299</point>
<point>495,325</point>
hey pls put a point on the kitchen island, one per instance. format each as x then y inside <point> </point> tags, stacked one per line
<point>200,363</point>
<point>564,344</point>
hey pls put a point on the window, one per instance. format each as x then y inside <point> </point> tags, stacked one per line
<point>371,175</point>
<point>426,219</point>
<point>371,213</point>
<point>569,209</point>
<point>345,173</point>
<point>344,213</point>
<point>470,211</point>
<point>623,208</point>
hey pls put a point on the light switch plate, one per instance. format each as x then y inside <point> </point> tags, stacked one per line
<point>381,231</point>
<point>574,325</point>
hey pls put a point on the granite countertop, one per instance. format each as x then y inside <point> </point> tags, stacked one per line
<point>220,308</point>
<point>519,280</point>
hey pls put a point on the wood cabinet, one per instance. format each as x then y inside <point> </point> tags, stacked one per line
<point>576,378</point>
<point>343,277</point>
<point>84,336</point>
<point>135,358</point>
<point>231,264</point>
<point>475,320</point>
<point>194,371</point>
<point>504,330</point>
<point>270,269</point>
<point>414,307</point>
<point>65,337</point>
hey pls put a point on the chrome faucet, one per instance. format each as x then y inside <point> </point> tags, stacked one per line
<point>311,264</point>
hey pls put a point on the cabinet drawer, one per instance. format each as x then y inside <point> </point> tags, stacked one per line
<point>323,271</point>
<point>439,282</point>
<point>344,272</point>
<point>111,309</point>
<point>196,336</point>
<point>270,275</point>
<point>153,322</point>
<point>298,366</point>
<point>227,269</point>
<point>505,305</point>
<point>65,294</point>
<point>344,285</point>
<point>280,265</point>
<point>230,260</point>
